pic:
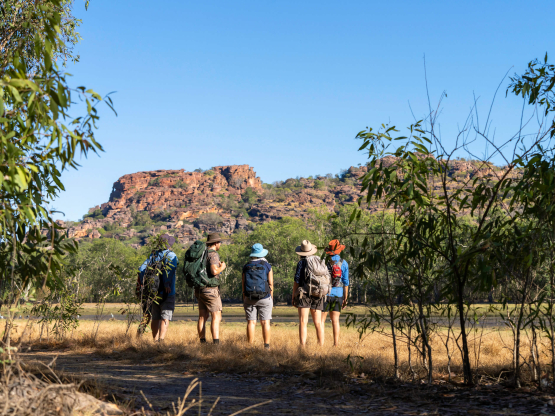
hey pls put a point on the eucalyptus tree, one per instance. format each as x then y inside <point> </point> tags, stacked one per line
<point>39,139</point>
<point>410,175</point>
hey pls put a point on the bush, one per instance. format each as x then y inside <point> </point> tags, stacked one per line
<point>110,227</point>
<point>138,196</point>
<point>95,215</point>
<point>250,196</point>
<point>209,173</point>
<point>319,184</point>
<point>209,218</point>
<point>154,182</point>
<point>142,218</point>
<point>181,185</point>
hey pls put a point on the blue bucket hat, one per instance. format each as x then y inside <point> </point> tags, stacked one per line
<point>258,251</point>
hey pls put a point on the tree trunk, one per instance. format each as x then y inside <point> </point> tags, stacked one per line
<point>394,337</point>
<point>516,353</point>
<point>467,371</point>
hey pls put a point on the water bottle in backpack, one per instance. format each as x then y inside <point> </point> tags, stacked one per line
<point>336,274</point>
<point>256,280</point>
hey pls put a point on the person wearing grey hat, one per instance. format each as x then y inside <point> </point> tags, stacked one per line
<point>209,298</point>
<point>161,312</point>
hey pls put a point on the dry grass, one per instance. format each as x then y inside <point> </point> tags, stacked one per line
<point>372,355</point>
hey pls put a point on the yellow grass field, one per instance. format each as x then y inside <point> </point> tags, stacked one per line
<point>372,354</point>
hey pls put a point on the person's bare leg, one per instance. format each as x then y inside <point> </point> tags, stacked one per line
<point>163,328</point>
<point>317,319</point>
<point>303,322</point>
<point>215,324</point>
<point>334,315</point>
<point>251,326</point>
<point>265,331</point>
<point>324,316</point>
<point>201,325</point>
<point>155,327</point>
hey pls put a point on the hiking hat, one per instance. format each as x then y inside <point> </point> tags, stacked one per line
<point>334,247</point>
<point>306,249</point>
<point>214,238</point>
<point>258,251</point>
<point>169,239</point>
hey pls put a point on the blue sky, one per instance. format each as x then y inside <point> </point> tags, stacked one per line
<point>284,86</point>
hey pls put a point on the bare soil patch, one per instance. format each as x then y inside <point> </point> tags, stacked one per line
<point>122,380</point>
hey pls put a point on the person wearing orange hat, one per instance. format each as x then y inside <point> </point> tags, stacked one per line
<point>337,299</point>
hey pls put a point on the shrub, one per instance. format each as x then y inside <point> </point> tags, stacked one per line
<point>250,196</point>
<point>95,215</point>
<point>319,184</point>
<point>142,218</point>
<point>154,182</point>
<point>209,173</point>
<point>209,218</point>
<point>181,185</point>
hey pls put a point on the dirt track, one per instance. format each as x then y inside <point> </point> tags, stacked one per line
<point>162,384</point>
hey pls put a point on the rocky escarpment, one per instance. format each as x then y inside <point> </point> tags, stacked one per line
<point>224,199</point>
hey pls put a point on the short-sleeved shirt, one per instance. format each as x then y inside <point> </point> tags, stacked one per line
<point>300,274</point>
<point>213,259</point>
<point>168,276</point>
<point>265,264</point>
<point>338,291</point>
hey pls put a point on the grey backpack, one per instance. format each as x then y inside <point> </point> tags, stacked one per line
<point>317,281</point>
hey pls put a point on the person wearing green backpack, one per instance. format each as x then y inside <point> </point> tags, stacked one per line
<point>209,299</point>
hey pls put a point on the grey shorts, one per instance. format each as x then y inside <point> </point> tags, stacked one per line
<point>258,308</point>
<point>163,310</point>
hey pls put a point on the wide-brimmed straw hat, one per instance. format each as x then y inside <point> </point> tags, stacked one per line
<point>334,247</point>
<point>306,249</point>
<point>214,238</point>
<point>258,251</point>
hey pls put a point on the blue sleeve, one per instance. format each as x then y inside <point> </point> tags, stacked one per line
<point>298,272</point>
<point>170,274</point>
<point>345,273</point>
<point>142,270</point>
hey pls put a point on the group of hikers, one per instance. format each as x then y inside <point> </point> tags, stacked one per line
<point>321,286</point>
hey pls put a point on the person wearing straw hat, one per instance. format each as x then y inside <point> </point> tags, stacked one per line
<point>258,290</point>
<point>209,299</point>
<point>337,299</point>
<point>304,304</point>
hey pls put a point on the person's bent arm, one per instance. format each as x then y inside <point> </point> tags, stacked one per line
<point>295,287</point>
<point>243,284</point>
<point>217,269</point>
<point>271,283</point>
<point>345,280</point>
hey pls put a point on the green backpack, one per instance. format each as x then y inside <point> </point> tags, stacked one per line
<point>194,267</point>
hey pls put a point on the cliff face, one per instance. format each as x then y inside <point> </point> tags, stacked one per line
<point>224,199</point>
<point>187,194</point>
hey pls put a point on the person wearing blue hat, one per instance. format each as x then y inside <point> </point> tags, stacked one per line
<point>258,291</point>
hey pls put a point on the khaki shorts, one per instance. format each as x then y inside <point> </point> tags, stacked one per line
<point>309,303</point>
<point>209,299</point>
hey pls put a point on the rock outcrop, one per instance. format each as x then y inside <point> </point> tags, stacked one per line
<point>225,199</point>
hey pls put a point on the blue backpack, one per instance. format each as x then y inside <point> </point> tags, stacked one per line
<point>256,280</point>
